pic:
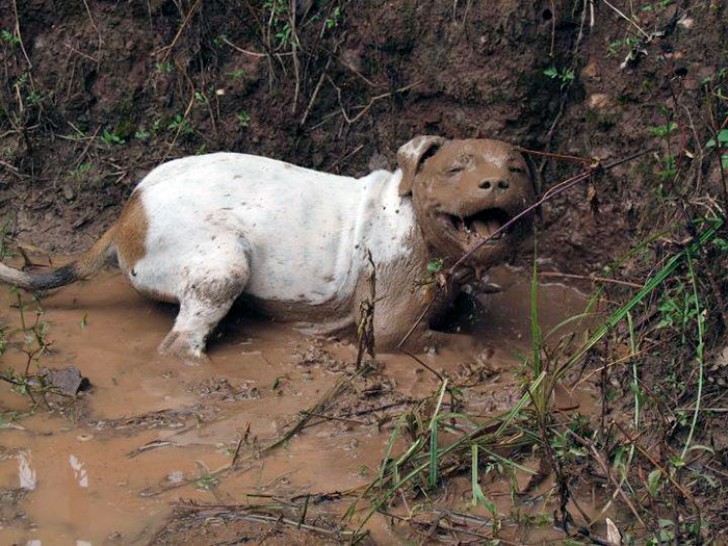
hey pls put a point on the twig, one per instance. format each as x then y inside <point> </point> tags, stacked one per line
<point>648,37</point>
<point>85,55</point>
<point>588,278</point>
<point>371,102</point>
<point>315,93</point>
<point>167,49</point>
<point>224,40</point>
<point>345,157</point>
<point>549,194</point>
<point>334,418</point>
<point>20,36</point>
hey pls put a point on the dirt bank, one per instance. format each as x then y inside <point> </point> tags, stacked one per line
<point>94,94</point>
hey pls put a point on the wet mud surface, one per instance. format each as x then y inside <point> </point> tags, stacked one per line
<point>151,433</point>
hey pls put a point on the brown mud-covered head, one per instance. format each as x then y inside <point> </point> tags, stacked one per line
<point>465,190</point>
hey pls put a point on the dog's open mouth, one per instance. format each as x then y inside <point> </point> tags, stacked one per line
<point>482,225</point>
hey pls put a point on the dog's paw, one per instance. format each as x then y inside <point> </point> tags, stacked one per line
<point>185,347</point>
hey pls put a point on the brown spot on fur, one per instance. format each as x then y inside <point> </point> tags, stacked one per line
<point>131,231</point>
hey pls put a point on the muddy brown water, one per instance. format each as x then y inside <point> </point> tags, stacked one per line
<point>152,431</point>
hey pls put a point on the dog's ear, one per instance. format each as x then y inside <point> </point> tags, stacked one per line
<point>411,155</point>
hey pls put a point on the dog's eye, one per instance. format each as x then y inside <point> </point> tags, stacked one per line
<point>455,169</point>
<point>517,169</point>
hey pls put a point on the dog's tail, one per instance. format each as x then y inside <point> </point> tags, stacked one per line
<point>86,265</point>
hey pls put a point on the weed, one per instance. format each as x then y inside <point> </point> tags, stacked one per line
<point>564,76</point>
<point>79,173</point>
<point>238,74</point>
<point>720,143</point>
<point>201,98</point>
<point>111,138</point>
<point>164,67</point>
<point>678,308</point>
<point>9,38</point>
<point>663,130</point>
<point>181,125</point>
<point>668,168</point>
<point>5,229</point>
<point>280,21</point>
<point>207,482</point>
<point>243,118</point>
<point>656,6</point>
<point>332,21</point>
<point>618,45</point>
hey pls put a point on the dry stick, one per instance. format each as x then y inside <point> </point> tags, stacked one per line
<point>371,102</point>
<point>20,36</point>
<point>566,157</point>
<point>549,194</point>
<point>168,48</point>
<point>315,92</point>
<point>605,469</point>
<point>345,157</point>
<point>91,18</point>
<point>648,37</point>
<point>224,40</point>
<point>587,278</point>
<point>684,492</point>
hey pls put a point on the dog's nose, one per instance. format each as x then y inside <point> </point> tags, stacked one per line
<point>490,184</point>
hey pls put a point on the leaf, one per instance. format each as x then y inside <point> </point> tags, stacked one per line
<point>435,266</point>
<point>722,138</point>
<point>653,481</point>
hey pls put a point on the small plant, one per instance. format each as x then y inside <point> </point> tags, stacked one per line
<point>79,173</point>
<point>669,168</point>
<point>564,76</point>
<point>9,38</point>
<point>678,309</point>
<point>201,98</point>
<point>5,230</point>
<point>279,21</point>
<point>164,67</point>
<point>720,143</point>
<point>332,21</point>
<point>663,130</point>
<point>181,125</point>
<point>207,482</point>
<point>237,74</point>
<point>617,45</point>
<point>111,138</point>
<point>656,6</point>
<point>243,118</point>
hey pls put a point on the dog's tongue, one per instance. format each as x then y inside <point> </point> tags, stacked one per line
<point>486,228</point>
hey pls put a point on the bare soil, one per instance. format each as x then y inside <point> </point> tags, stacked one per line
<point>94,94</point>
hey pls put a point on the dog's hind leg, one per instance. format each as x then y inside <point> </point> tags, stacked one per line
<point>206,297</point>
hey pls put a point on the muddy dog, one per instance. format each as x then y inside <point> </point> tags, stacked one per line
<point>301,245</point>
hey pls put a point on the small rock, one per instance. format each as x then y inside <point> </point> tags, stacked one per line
<point>68,381</point>
<point>590,70</point>
<point>599,101</point>
<point>68,192</point>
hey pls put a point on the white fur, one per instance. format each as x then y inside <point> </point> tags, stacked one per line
<point>302,235</point>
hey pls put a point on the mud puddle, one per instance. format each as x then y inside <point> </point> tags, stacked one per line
<point>152,432</point>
